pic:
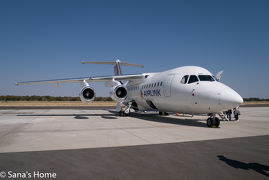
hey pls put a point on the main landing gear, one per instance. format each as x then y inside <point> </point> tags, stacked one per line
<point>213,121</point>
<point>125,110</point>
<point>123,113</point>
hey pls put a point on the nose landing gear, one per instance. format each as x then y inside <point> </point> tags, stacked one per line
<point>213,122</point>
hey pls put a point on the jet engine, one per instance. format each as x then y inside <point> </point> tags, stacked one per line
<point>118,93</point>
<point>87,94</point>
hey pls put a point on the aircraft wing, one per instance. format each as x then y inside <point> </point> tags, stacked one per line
<point>87,79</point>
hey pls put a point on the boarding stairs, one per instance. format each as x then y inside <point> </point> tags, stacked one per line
<point>223,117</point>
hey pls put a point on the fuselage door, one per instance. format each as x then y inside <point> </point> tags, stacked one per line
<point>194,94</point>
<point>194,85</point>
<point>167,85</point>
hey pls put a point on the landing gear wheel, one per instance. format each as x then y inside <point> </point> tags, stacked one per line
<point>209,122</point>
<point>121,113</point>
<point>213,122</point>
<point>217,121</point>
<point>161,113</point>
<point>165,113</point>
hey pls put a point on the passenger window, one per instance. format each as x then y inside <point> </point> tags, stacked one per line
<point>184,79</point>
<point>193,79</point>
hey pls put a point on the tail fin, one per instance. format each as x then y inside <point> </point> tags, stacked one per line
<point>117,65</point>
<point>117,68</point>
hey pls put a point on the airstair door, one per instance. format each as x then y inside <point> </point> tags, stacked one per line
<point>167,85</point>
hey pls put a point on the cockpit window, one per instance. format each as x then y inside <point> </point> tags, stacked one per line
<point>193,79</point>
<point>184,79</point>
<point>206,78</point>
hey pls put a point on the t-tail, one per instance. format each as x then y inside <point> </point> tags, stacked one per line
<point>117,65</point>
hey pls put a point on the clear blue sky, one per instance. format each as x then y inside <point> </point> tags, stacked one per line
<point>48,39</point>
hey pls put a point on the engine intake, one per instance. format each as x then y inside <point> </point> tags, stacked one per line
<point>87,94</point>
<point>118,93</point>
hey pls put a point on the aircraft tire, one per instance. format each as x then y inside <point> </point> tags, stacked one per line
<point>217,122</point>
<point>121,113</point>
<point>160,113</point>
<point>209,122</point>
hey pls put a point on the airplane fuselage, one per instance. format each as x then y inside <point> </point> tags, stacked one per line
<point>168,92</point>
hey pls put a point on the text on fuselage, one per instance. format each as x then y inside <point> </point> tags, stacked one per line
<point>154,92</point>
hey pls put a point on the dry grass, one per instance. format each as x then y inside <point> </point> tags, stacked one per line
<point>256,102</point>
<point>56,103</point>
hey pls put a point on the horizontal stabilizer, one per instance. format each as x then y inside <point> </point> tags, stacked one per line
<point>128,64</point>
<point>112,63</point>
<point>97,62</point>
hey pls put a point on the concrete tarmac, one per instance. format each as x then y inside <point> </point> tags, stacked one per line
<point>85,144</point>
<point>58,129</point>
<point>236,158</point>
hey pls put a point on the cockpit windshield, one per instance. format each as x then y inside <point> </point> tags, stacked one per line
<point>193,79</point>
<point>206,78</point>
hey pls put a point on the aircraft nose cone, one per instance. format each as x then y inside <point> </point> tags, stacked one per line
<point>231,98</point>
<point>239,100</point>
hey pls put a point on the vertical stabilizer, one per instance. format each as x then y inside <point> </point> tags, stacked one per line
<point>117,68</point>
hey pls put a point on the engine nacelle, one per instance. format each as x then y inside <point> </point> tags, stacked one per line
<point>87,94</point>
<point>118,93</point>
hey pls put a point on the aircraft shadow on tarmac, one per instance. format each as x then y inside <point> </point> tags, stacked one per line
<point>146,117</point>
<point>166,119</point>
<point>259,168</point>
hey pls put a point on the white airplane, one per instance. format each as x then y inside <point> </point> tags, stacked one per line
<point>187,89</point>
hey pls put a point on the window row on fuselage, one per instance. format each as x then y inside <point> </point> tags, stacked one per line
<point>132,88</point>
<point>146,86</point>
<point>152,85</point>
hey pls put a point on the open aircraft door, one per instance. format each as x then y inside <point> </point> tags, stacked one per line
<point>167,85</point>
